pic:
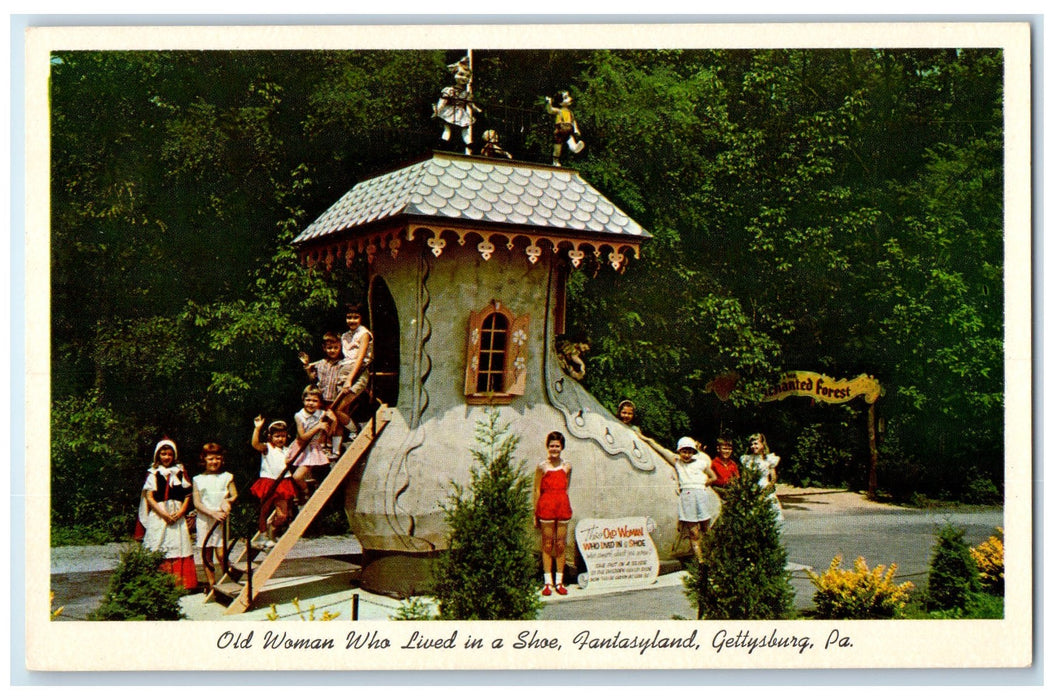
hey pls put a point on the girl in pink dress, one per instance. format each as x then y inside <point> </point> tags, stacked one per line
<point>312,424</point>
<point>552,511</point>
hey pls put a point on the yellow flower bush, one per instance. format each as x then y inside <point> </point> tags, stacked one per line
<point>55,613</point>
<point>858,593</point>
<point>989,559</point>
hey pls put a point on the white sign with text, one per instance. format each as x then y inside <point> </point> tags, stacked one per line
<point>618,552</point>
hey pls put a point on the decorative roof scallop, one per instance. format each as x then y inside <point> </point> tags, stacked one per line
<point>471,192</point>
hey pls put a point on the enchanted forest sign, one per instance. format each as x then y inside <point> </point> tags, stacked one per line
<point>820,387</point>
<point>823,388</point>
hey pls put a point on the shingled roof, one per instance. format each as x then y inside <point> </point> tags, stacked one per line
<point>450,193</point>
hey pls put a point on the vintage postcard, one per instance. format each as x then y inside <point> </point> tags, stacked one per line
<point>518,347</point>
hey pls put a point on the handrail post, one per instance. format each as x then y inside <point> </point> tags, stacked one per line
<point>249,555</point>
<point>226,536</point>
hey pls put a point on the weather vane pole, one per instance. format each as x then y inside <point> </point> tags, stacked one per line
<point>471,79</point>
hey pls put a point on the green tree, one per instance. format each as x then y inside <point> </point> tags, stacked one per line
<point>93,479</point>
<point>743,574</point>
<point>488,571</point>
<point>834,210</point>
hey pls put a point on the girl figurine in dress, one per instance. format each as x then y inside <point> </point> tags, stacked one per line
<point>455,106</point>
<point>552,511</point>
<point>214,493</point>
<point>166,497</point>
<point>763,464</point>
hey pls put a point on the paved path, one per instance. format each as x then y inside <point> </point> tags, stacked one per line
<point>819,524</point>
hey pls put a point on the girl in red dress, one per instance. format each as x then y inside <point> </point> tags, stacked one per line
<point>552,511</point>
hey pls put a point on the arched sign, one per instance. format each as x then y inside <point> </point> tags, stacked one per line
<point>823,388</point>
<point>820,387</point>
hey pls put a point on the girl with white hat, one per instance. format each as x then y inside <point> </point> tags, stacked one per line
<point>697,504</point>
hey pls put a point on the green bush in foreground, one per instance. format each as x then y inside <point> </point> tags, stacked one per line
<point>139,590</point>
<point>743,575</point>
<point>488,571</point>
<point>953,576</point>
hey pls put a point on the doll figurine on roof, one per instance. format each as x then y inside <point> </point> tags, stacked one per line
<point>455,106</point>
<point>491,149</point>
<point>566,127</point>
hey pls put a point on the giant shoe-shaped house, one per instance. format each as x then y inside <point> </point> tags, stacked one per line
<point>468,261</point>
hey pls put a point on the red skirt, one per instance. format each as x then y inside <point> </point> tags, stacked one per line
<point>184,569</point>
<point>284,491</point>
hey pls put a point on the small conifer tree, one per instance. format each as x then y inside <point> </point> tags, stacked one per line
<point>743,575</point>
<point>139,590</point>
<point>953,577</point>
<point>488,571</point>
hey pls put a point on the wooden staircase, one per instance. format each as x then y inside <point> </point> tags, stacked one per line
<point>231,586</point>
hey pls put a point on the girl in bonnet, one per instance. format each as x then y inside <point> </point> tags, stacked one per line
<point>166,498</point>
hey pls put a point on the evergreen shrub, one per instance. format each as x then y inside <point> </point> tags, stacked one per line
<point>139,590</point>
<point>953,576</point>
<point>488,571</point>
<point>859,593</point>
<point>744,571</point>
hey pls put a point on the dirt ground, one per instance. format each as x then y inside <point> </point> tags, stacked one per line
<point>817,500</point>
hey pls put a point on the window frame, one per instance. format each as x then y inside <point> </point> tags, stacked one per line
<point>514,371</point>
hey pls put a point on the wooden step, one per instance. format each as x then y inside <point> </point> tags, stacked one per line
<point>337,473</point>
<point>228,589</point>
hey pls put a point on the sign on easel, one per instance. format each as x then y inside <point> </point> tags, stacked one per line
<point>618,552</point>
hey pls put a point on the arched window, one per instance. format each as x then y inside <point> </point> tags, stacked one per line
<point>496,367</point>
<point>493,342</point>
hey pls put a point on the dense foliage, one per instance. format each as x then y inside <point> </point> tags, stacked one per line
<point>488,571</point>
<point>829,210</point>
<point>744,571</point>
<point>139,590</point>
